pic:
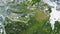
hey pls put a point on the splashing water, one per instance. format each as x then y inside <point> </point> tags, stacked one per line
<point>55,14</point>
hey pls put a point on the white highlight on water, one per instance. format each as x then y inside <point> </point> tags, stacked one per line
<point>55,14</point>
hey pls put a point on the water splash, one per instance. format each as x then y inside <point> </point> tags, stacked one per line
<point>55,14</point>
